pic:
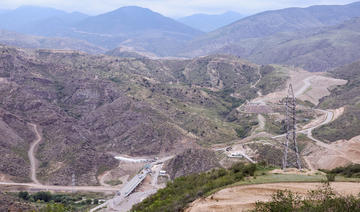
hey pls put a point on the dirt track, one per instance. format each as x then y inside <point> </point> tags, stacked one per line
<point>242,198</point>
<point>33,161</point>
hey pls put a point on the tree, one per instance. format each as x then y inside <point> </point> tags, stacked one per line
<point>24,195</point>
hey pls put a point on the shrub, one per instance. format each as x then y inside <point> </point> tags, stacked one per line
<point>330,177</point>
<point>24,195</point>
<point>42,196</point>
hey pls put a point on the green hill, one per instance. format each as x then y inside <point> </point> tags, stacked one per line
<point>346,126</point>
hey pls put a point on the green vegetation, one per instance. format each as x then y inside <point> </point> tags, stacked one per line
<point>273,78</point>
<point>274,127</point>
<point>114,182</point>
<point>244,130</point>
<point>321,200</point>
<point>49,202</point>
<point>350,171</point>
<point>176,195</point>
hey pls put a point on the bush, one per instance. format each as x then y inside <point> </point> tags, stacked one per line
<point>330,177</point>
<point>42,196</point>
<point>24,195</point>
<point>352,170</point>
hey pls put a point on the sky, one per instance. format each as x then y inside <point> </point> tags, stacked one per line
<point>171,8</point>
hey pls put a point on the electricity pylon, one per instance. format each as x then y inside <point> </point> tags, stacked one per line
<point>290,142</point>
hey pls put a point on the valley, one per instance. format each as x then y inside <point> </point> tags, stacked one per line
<point>131,110</point>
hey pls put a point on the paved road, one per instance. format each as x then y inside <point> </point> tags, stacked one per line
<point>308,131</point>
<point>33,161</point>
<point>126,199</point>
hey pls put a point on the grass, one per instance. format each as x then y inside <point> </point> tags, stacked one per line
<point>281,178</point>
<point>273,79</point>
<point>114,182</point>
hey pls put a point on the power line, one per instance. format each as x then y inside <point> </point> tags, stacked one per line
<point>290,142</point>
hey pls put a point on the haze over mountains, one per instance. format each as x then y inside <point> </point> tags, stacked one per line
<point>207,23</point>
<point>292,34</point>
<point>137,27</point>
<point>256,35</point>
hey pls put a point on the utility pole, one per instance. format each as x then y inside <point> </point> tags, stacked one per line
<point>73,181</point>
<point>290,105</point>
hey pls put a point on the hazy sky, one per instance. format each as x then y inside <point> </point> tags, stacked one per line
<point>172,8</point>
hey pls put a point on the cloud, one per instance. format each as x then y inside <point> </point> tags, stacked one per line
<point>173,8</point>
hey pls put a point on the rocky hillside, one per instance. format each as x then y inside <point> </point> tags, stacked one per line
<point>191,161</point>
<point>90,107</point>
<point>346,126</point>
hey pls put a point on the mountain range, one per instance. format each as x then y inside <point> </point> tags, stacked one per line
<point>137,27</point>
<point>207,23</point>
<point>290,36</point>
<point>304,37</point>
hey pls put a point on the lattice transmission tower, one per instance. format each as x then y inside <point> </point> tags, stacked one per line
<point>291,156</point>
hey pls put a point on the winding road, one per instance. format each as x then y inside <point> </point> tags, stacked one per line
<point>31,154</point>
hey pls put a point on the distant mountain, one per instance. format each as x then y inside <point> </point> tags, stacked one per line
<point>136,27</point>
<point>207,23</point>
<point>36,42</point>
<point>270,23</point>
<point>133,19</point>
<point>39,20</point>
<point>316,50</point>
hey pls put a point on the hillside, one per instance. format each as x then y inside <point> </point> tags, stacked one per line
<point>39,20</point>
<point>135,27</point>
<point>346,126</point>
<point>294,35</point>
<point>131,20</point>
<point>208,23</point>
<point>89,108</point>
<point>39,42</point>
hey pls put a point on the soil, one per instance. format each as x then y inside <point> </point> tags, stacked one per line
<point>242,198</point>
<point>339,153</point>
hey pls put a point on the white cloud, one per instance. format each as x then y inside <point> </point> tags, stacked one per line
<point>173,8</point>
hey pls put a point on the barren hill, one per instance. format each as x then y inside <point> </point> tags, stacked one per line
<point>89,108</point>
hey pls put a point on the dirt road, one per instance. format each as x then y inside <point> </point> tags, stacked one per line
<point>242,198</point>
<point>34,186</point>
<point>31,154</point>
